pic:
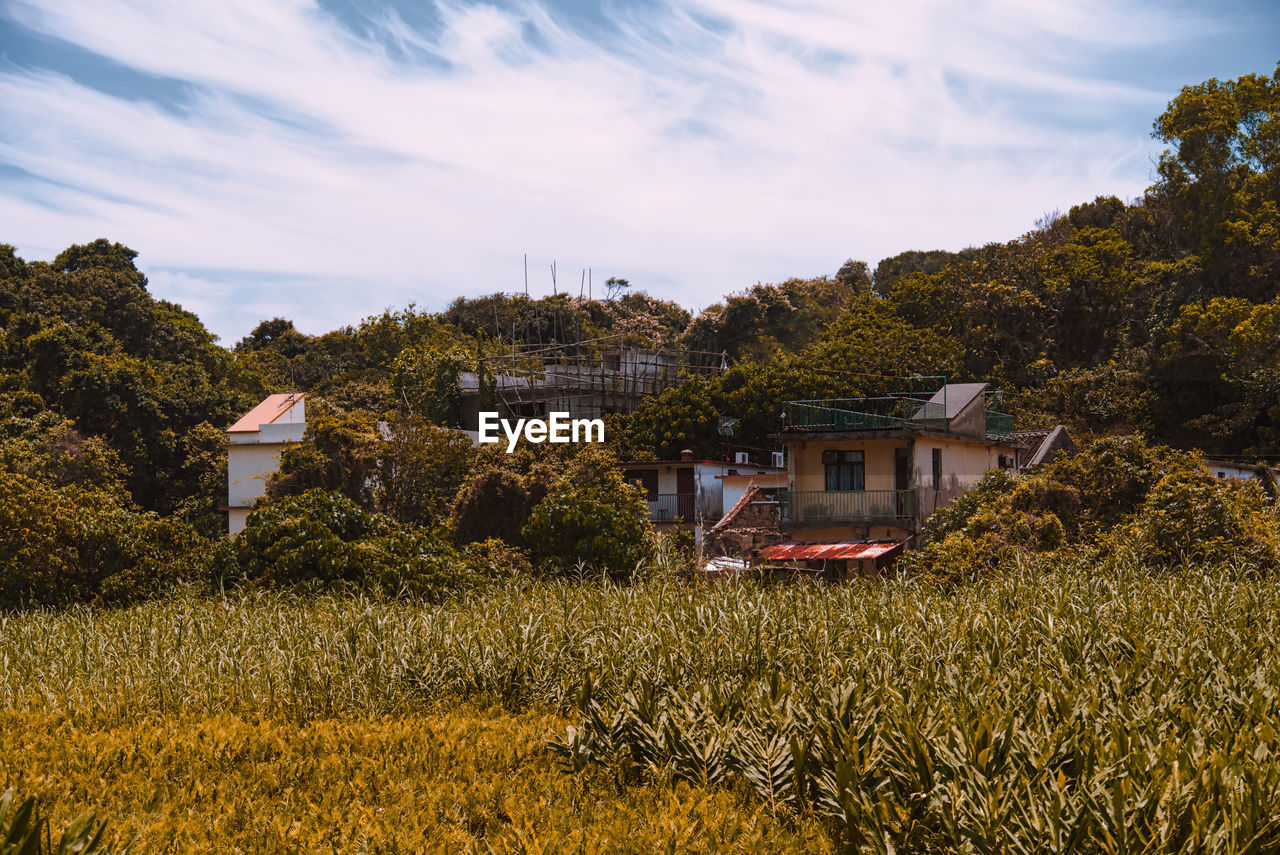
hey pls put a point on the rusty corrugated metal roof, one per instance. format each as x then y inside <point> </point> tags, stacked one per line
<point>842,550</point>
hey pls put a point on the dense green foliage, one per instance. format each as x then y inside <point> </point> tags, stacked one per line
<point>320,537</point>
<point>63,545</point>
<point>83,334</point>
<point>1118,495</point>
<point>1158,316</point>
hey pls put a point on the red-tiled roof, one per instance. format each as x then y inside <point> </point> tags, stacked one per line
<point>272,408</point>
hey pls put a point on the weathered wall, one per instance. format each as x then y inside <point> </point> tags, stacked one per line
<point>754,527</point>
<point>810,474</point>
<point>963,465</point>
<point>735,487</point>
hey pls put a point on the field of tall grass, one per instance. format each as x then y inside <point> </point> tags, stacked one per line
<point>1058,707</point>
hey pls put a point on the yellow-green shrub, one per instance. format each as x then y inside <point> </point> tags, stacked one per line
<point>1194,517</point>
<point>64,545</point>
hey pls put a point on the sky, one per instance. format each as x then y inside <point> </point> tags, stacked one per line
<point>325,161</point>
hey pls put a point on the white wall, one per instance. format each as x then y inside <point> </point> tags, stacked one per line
<point>249,466</point>
<point>736,487</point>
<point>252,458</point>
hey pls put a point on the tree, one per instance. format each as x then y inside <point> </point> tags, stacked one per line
<point>69,544</point>
<point>426,381</point>
<point>321,537</point>
<point>603,527</point>
<point>100,254</point>
<point>278,334</point>
<point>493,503</point>
<point>1222,179</point>
<point>614,286</point>
<point>339,453</point>
<point>421,468</point>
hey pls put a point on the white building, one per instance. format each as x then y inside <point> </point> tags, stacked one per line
<point>253,451</point>
<point>1233,469</point>
<point>689,494</point>
<point>735,486</point>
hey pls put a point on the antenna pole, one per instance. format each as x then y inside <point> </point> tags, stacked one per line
<point>526,274</point>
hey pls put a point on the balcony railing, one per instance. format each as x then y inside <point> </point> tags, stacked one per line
<point>804,506</point>
<point>999,425</point>
<point>837,414</point>
<point>672,507</point>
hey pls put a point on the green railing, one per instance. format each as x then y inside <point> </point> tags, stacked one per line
<point>999,425</point>
<point>839,414</point>
<point>853,414</point>
<point>805,506</point>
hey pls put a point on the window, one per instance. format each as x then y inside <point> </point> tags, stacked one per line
<point>845,470</point>
<point>648,479</point>
<point>937,468</point>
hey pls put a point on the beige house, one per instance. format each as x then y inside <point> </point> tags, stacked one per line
<point>876,468</point>
<point>253,451</point>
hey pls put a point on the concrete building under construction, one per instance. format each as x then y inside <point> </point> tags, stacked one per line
<point>585,381</point>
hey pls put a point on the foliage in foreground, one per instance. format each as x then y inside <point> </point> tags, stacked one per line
<point>23,831</point>
<point>1131,708</point>
<point>466,780</point>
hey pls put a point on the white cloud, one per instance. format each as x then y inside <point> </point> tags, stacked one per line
<point>778,142</point>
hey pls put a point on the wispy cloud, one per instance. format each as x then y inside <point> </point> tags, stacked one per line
<point>696,149</point>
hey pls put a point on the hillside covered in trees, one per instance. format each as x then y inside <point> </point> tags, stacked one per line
<point>1158,316</point>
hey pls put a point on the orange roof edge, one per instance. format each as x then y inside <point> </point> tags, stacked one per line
<point>271,408</point>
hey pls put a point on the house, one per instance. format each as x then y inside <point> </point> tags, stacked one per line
<point>872,470</point>
<point>1039,447</point>
<point>1242,471</point>
<point>688,494</point>
<point>253,451</point>
<point>735,484</point>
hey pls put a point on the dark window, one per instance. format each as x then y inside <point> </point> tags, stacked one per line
<point>937,468</point>
<point>845,470</point>
<point>648,479</point>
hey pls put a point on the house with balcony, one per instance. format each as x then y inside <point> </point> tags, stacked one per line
<point>689,494</point>
<point>874,469</point>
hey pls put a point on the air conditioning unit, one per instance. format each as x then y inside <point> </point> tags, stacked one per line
<point>778,460</point>
<point>741,457</point>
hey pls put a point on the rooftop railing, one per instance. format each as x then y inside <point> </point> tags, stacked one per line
<point>999,425</point>
<point>838,414</point>
<point>897,413</point>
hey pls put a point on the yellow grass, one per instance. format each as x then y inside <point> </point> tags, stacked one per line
<point>453,781</point>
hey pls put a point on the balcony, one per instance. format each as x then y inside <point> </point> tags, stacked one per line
<point>672,507</point>
<point>821,506</point>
